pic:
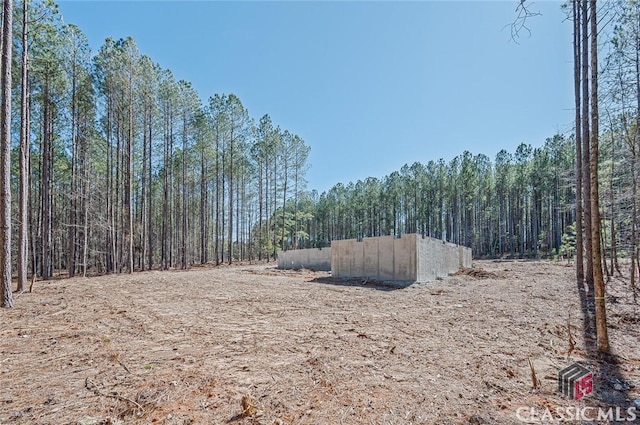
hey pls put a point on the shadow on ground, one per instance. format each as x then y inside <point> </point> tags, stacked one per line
<point>610,387</point>
<point>363,283</point>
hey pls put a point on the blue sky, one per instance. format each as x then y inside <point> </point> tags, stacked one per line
<point>370,86</point>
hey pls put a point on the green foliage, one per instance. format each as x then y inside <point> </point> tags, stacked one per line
<point>568,247</point>
<point>515,206</point>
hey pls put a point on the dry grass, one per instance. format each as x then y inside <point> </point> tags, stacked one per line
<point>254,345</point>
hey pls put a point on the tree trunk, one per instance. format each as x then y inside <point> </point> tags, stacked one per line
<point>165,197</point>
<point>150,194</point>
<point>45,183</point>
<point>284,201</point>
<point>85,206</point>
<point>578,133</point>
<point>602,338</point>
<point>72,230</point>
<point>185,197</point>
<point>23,234</point>
<point>5,162</point>
<point>586,185</point>
<point>231,165</point>
<point>634,181</point>
<point>129,182</point>
<point>203,208</point>
<point>275,200</point>
<point>218,200</point>
<point>110,199</point>
<point>144,215</point>
<point>614,248</point>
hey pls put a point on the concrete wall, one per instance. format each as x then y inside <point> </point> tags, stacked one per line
<point>381,258</point>
<point>313,259</point>
<point>466,257</point>
<point>410,258</point>
<point>436,259</point>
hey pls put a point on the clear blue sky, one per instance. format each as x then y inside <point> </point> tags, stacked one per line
<point>369,86</point>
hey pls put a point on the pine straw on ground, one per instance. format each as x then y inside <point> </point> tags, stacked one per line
<point>478,273</point>
<point>254,345</point>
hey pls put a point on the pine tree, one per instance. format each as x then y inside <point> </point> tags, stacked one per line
<point>5,160</point>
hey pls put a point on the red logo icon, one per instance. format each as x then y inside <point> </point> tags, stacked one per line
<point>575,381</point>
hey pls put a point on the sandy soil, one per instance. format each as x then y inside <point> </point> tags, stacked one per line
<point>255,345</point>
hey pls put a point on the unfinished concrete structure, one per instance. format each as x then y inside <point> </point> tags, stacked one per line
<point>313,259</point>
<point>408,259</point>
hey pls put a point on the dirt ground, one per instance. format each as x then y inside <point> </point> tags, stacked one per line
<point>254,345</point>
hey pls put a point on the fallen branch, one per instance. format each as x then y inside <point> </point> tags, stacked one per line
<point>88,384</point>
<point>572,342</point>
<point>534,378</point>
<point>116,358</point>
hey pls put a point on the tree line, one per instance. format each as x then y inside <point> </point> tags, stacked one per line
<point>520,204</point>
<point>114,165</point>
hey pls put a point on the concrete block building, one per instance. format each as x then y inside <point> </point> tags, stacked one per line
<point>407,259</point>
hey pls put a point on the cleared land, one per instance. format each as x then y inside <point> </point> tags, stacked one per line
<point>302,348</point>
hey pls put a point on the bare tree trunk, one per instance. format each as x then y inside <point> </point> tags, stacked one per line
<point>203,208</point>
<point>170,195</point>
<point>585,147</point>
<point>284,202</point>
<point>260,201</point>
<point>119,229</point>
<point>614,249</point>
<point>222,204</point>
<point>602,338</point>
<point>23,235</point>
<point>45,191</point>
<point>144,216</point>
<point>85,210</point>
<point>231,159</point>
<point>5,162</point>
<point>72,230</point>
<point>634,181</point>
<point>129,183</point>
<point>274,183</point>
<point>111,247</point>
<point>295,200</point>
<point>150,194</point>
<point>634,217</point>
<point>266,237</point>
<point>185,196</point>
<point>165,197</point>
<point>576,79</point>
<point>238,180</point>
<point>217,212</point>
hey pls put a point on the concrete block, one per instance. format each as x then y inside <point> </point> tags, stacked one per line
<point>358,258</point>
<point>313,259</point>
<point>386,257</point>
<point>429,251</point>
<point>465,257</point>
<point>405,258</point>
<point>410,258</point>
<point>371,250</point>
<point>452,259</point>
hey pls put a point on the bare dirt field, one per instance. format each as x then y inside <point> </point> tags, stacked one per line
<point>255,345</point>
